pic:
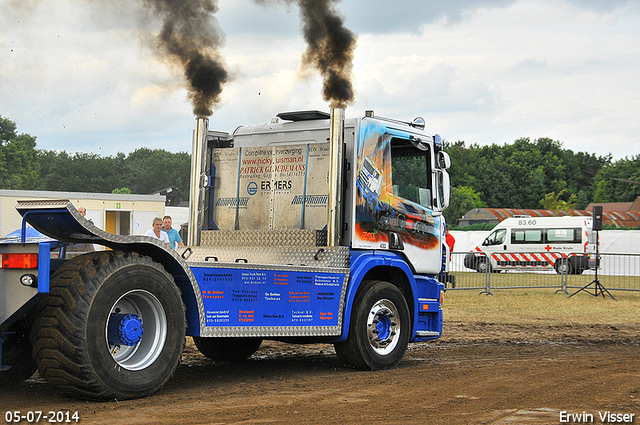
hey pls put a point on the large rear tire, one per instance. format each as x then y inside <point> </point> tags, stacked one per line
<point>379,330</point>
<point>227,349</point>
<point>112,327</point>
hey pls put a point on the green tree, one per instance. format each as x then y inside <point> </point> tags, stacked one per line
<point>583,200</point>
<point>552,201</point>
<point>19,165</point>
<point>143,171</point>
<point>462,200</point>
<point>157,169</point>
<point>7,130</point>
<point>610,181</point>
<point>84,172</point>
<point>122,191</point>
<point>520,174</point>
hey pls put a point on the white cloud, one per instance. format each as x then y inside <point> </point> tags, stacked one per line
<point>85,79</point>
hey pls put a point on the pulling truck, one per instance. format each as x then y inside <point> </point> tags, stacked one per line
<point>282,245</point>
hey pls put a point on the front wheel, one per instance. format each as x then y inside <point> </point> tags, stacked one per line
<point>379,329</point>
<point>483,266</point>
<point>563,266</point>
<point>112,327</point>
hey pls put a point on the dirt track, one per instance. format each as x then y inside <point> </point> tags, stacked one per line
<point>476,374</point>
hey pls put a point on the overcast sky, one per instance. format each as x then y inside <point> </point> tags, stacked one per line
<point>82,77</point>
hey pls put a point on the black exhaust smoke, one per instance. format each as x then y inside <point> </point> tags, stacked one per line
<point>191,37</point>
<point>330,48</point>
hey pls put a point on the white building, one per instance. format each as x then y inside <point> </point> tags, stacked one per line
<point>115,213</point>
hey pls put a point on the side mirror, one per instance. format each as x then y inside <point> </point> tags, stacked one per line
<point>444,160</point>
<point>444,190</point>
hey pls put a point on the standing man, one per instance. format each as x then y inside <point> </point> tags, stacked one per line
<point>157,232</point>
<point>450,240</point>
<point>174,235</point>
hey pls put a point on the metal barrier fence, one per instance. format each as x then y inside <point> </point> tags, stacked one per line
<point>565,273</point>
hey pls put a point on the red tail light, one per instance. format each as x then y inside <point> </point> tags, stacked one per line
<point>20,261</point>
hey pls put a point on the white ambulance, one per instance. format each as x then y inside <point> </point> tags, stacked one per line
<point>524,242</point>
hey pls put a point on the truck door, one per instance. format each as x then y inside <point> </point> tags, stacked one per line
<point>400,215</point>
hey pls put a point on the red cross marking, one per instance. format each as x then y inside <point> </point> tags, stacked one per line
<point>548,248</point>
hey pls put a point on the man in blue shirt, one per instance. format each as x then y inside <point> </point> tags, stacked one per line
<point>173,234</point>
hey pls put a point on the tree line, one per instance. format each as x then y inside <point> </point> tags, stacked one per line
<point>538,174</point>
<point>524,174</point>
<point>143,171</point>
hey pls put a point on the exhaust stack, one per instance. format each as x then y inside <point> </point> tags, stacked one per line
<point>198,181</point>
<point>336,136</point>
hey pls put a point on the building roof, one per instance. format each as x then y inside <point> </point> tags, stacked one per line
<point>26,194</point>
<point>617,206</point>
<point>496,215</point>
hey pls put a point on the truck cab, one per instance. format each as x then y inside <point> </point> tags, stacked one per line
<point>276,176</point>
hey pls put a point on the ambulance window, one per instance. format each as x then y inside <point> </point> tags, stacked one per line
<point>410,172</point>
<point>532,236</point>
<point>517,236</point>
<point>496,238</point>
<point>526,236</point>
<point>563,235</point>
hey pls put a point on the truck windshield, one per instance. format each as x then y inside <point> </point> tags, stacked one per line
<point>411,173</point>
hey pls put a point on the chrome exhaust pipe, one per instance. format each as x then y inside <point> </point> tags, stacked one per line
<point>336,137</point>
<point>197,181</point>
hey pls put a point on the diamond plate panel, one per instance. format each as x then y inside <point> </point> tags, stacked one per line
<point>43,204</point>
<point>333,257</point>
<point>264,238</point>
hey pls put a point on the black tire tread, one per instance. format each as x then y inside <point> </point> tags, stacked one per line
<point>349,351</point>
<point>58,350</point>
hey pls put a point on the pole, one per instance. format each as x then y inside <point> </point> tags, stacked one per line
<point>595,282</point>
<point>197,183</point>
<point>334,218</point>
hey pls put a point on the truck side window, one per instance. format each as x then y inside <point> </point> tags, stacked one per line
<point>496,238</point>
<point>411,172</point>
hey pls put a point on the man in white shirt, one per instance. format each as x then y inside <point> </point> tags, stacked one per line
<point>157,232</point>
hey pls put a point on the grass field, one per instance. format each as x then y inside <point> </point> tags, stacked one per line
<point>541,306</point>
